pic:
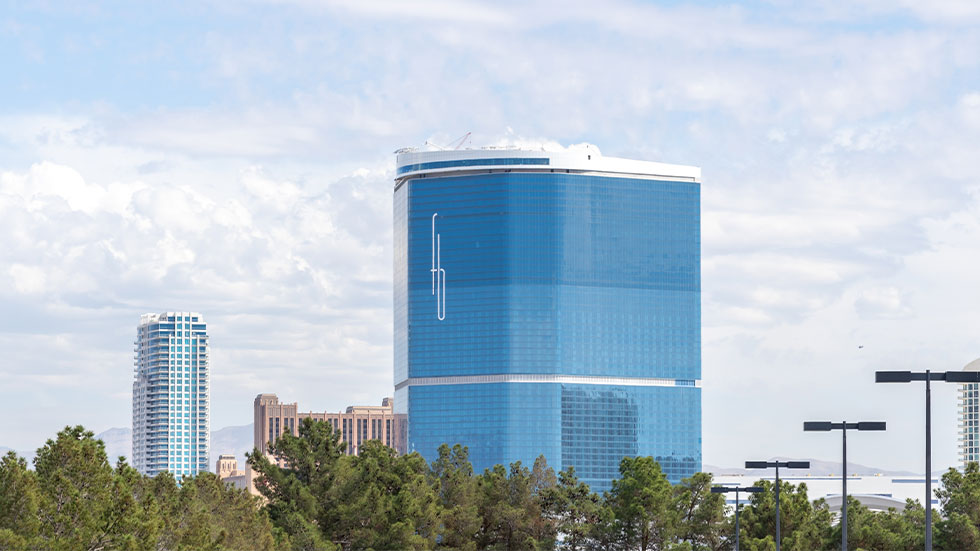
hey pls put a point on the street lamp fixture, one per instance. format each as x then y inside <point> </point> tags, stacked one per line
<point>736,489</point>
<point>777,465</point>
<point>928,376</point>
<point>826,426</point>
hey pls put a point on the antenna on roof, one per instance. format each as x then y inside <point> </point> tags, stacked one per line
<point>459,142</point>
<point>454,145</point>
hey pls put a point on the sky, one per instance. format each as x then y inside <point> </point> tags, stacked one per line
<point>236,159</point>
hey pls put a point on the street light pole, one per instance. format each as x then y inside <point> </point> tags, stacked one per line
<point>737,527</point>
<point>736,489</point>
<point>928,502</point>
<point>777,464</point>
<point>779,538</point>
<point>928,376</point>
<point>843,426</point>
<point>843,515</point>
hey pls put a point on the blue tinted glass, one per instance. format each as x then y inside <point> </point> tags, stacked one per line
<point>510,161</point>
<point>591,427</point>
<point>550,274</point>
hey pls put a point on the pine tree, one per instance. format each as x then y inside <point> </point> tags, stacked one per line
<point>456,492</point>
<point>19,503</point>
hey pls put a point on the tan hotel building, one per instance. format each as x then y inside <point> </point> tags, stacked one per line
<point>356,425</point>
<point>226,467</point>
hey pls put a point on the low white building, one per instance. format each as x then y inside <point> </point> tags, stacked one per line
<point>877,492</point>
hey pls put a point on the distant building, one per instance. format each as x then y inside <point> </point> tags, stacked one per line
<point>226,467</point>
<point>356,425</point>
<point>969,437</point>
<point>171,424</point>
<point>549,302</point>
<point>876,492</point>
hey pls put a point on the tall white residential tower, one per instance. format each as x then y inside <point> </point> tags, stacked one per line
<point>171,425</point>
<point>970,418</point>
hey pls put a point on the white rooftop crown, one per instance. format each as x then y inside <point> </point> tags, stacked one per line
<point>580,158</point>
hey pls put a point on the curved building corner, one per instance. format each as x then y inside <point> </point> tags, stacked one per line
<point>549,303</point>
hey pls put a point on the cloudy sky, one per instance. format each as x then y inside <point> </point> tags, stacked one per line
<point>235,158</point>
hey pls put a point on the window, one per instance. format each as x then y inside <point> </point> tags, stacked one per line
<point>473,162</point>
<point>361,431</point>
<point>345,435</point>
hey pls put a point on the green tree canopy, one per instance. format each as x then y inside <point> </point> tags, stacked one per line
<point>700,514</point>
<point>642,502</point>
<point>959,500</point>
<point>574,510</point>
<point>74,500</point>
<point>456,492</point>
<point>318,498</point>
<point>510,507</point>
<point>805,526</point>
<point>19,503</point>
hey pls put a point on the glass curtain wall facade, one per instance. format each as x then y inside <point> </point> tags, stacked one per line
<point>541,310</point>
<point>969,423</point>
<point>969,426</point>
<point>171,422</point>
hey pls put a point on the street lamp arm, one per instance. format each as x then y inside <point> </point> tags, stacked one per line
<point>728,489</point>
<point>736,489</point>
<point>893,376</point>
<point>843,427</point>
<point>777,464</point>
<point>963,377</point>
<point>817,426</point>
<point>968,376</point>
<point>868,425</point>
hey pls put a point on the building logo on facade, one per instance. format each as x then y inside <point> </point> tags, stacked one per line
<point>438,273</point>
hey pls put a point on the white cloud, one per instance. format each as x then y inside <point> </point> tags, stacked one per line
<point>28,279</point>
<point>969,108</point>
<point>89,254</point>
<point>249,177</point>
<point>946,11</point>
<point>434,10</point>
<point>883,302</point>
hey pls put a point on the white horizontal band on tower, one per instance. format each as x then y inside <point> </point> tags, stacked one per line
<point>411,162</point>
<point>531,378</point>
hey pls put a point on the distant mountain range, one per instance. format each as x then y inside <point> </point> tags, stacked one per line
<point>817,468</point>
<point>5,449</point>
<point>119,442</point>
<point>232,440</point>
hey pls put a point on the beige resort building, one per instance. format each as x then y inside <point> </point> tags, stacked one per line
<point>356,425</point>
<point>226,467</point>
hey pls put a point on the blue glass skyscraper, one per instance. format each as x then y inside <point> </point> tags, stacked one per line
<point>549,303</point>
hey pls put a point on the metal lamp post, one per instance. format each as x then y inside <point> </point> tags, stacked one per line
<point>824,426</point>
<point>777,464</point>
<point>928,376</point>
<point>736,489</point>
